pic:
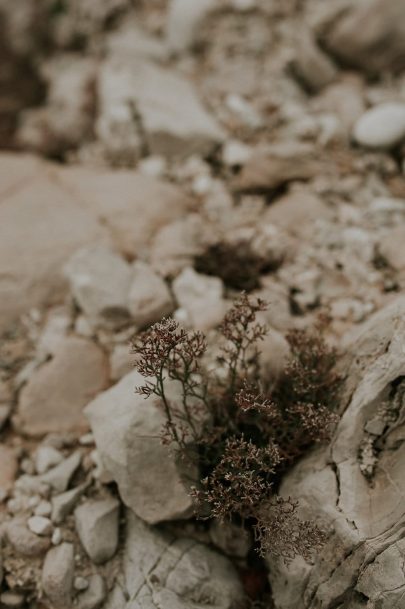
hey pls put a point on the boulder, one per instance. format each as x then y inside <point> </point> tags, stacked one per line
<point>149,297</point>
<point>97,527</point>
<point>174,122</point>
<point>201,298</point>
<point>126,428</point>
<point>354,488</point>
<point>183,20</point>
<point>99,281</point>
<point>55,395</point>
<point>369,35</point>
<point>162,571</point>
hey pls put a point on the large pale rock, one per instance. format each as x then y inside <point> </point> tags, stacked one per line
<point>370,35</point>
<point>97,527</point>
<point>149,297</point>
<point>174,122</point>
<point>55,395</point>
<point>382,127</point>
<point>57,575</point>
<point>126,428</point>
<point>183,19</point>
<point>99,281</point>
<point>132,206</point>
<point>276,165</point>
<point>41,225</point>
<point>355,487</point>
<point>201,297</point>
<point>162,571</point>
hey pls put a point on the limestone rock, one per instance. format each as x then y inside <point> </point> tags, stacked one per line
<point>149,297</point>
<point>161,571</point>
<point>174,122</point>
<point>132,206</point>
<point>23,540</point>
<point>94,596</point>
<point>99,281</point>
<point>126,428</point>
<point>382,127</point>
<point>41,225</point>
<point>183,20</point>
<point>97,527</point>
<point>57,575</point>
<point>54,397</point>
<point>391,247</point>
<point>201,297</point>
<point>276,165</point>
<point>354,488</point>
<point>370,35</point>
<point>71,84</point>
<point>310,64</point>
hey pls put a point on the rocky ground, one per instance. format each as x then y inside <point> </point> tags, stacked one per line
<point>158,157</point>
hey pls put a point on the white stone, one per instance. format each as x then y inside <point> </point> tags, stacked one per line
<point>381,127</point>
<point>149,297</point>
<point>100,280</point>
<point>56,537</point>
<point>235,153</point>
<point>127,428</point>
<point>47,457</point>
<point>153,166</point>
<point>97,527</point>
<point>44,508</point>
<point>40,525</point>
<point>183,19</point>
<point>58,573</point>
<point>174,121</point>
<point>201,296</point>
<point>176,573</point>
<point>80,583</point>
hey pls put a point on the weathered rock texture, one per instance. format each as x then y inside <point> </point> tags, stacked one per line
<point>355,488</point>
<point>162,571</point>
<point>127,431</point>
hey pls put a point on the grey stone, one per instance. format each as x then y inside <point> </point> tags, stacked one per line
<point>12,599</point>
<point>23,540</point>
<point>94,596</point>
<point>126,428</point>
<point>97,526</point>
<point>162,571</point>
<point>47,457</point>
<point>58,477</point>
<point>183,20</point>
<point>201,297</point>
<point>63,504</point>
<point>40,525</point>
<point>149,297</point>
<point>100,280</point>
<point>174,122</point>
<point>57,575</point>
<point>382,127</point>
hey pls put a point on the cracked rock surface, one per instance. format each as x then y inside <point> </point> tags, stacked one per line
<point>356,487</point>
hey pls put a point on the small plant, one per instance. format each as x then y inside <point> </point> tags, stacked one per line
<point>241,436</point>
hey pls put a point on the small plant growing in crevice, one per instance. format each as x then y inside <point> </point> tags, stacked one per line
<point>240,434</point>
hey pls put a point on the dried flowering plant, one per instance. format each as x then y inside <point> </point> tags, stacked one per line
<point>243,436</point>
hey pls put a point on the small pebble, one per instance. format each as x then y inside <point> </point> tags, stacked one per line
<point>44,508</point>
<point>56,537</point>
<point>87,439</point>
<point>47,457</point>
<point>11,599</point>
<point>80,584</point>
<point>40,525</point>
